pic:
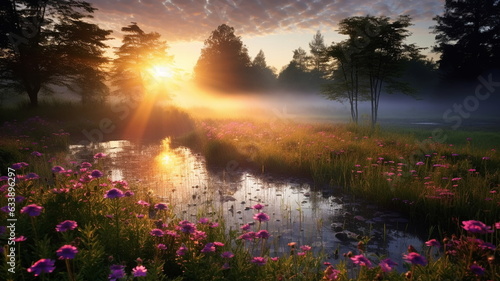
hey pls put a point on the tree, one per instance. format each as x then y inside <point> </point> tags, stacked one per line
<point>224,62</point>
<point>263,76</point>
<point>318,53</point>
<point>46,43</point>
<point>467,36</point>
<point>375,53</point>
<point>135,58</point>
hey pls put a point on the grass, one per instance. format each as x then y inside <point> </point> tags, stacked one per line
<point>117,236</point>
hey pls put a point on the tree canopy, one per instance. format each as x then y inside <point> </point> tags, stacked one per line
<point>467,37</point>
<point>47,43</point>
<point>224,62</point>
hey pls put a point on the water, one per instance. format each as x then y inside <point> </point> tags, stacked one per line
<point>324,219</point>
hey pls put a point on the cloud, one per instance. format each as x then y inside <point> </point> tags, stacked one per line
<point>186,20</point>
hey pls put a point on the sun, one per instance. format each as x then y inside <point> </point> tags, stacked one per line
<point>162,71</point>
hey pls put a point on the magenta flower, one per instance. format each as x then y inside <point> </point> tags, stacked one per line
<point>66,225</point>
<point>387,265</point>
<point>139,271</point>
<point>245,227</point>
<point>42,266</point>
<point>143,203</point>
<point>415,258</point>
<point>476,269</point>
<point>497,225</point>
<point>17,166</point>
<point>32,210</point>
<point>474,226</point>
<point>157,232</point>
<point>361,260</point>
<point>161,206</point>
<point>113,193</point>
<point>31,176</point>
<point>86,165</point>
<point>36,154</point>
<point>219,244</point>
<point>99,155</point>
<point>227,255</point>
<point>248,236</point>
<point>305,248</point>
<point>117,272</point>
<point>182,251</point>
<point>67,252</point>
<point>161,246</point>
<point>258,206</point>
<point>57,169</point>
<point>209,247</point>
<point>96,174</point>
<point>433,243</point>
<point>264,234</point>
<point>261,217</point>
<point>187,227</point>
<point>259,261</point>
<point>204,220</point>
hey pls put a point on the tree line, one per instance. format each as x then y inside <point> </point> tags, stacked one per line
<point>54,42</point>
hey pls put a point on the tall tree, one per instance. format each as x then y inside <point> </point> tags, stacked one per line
<point>263,75</point>
<point>375,51</point>
<point>49,42</point>
<point>224,62</point>
<point>318,53</point>
<point>467,36</point>
<point>135,58</point>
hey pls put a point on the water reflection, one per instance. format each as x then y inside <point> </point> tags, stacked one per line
<point>298,213</point>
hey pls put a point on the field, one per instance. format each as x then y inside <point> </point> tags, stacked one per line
<point>65,220</point>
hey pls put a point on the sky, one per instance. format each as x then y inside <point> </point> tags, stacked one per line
<point>276,26</point>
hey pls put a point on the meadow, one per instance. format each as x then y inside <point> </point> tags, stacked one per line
<point>66,220</point>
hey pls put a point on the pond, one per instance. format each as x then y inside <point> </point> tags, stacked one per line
<point>322,218</point>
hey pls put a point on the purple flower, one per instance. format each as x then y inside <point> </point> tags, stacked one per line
<point>128,193</point>
<point>245,227</point>
<point>387,265</point>
<point>139,271</point>
<point>161,246</point>
<point>361,260</point>
<point>259,261</point>
<point>117,272</point>
<point>36,154</point>
<point>42,266</point>
<point>31,176</point>
<point>157,232</point>
<point>248,236</point>
<point>143,203</point>
<point>96,174</point>
<point>187,227</point>
<point>32,210</point>
<point>264,234</point>
<point>305,248</point>
<point>113,193</point>
<point>209,247</point>
<point>258,206</point>
<point>227,255</point>
<point>433,243</point>
<point>476,269</point>
<point>182,251</point>
<point>261,217</point>
<point>67,252</point>
<point>161,206</point>
<point>474,226</point>
<point>99,155</point>
<point>86,165</point>
<point>497,225</point>
<point>332,273</point>
<point>415,258</point>
<point>66,225</point>
<point>17,166</point>
<point>57,169</point>
<point>204,220</point>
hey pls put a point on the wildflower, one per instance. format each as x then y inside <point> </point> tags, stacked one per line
<point>31,176</point>
<point>486,245</point>
<point>387,265</point>
<point>113,193</point>
<point>331,273</point>
<point>182,251</point>
<point>198,235</point>
<point>245,227</point>
<point>42,266</point>
<point>420,163</point>
<point>476,269</point>
<point>128,193</point>
<point>117,272</point>
<point>258,206</point>
<point>187,227</point>
<point>497,225</point>
<point>264,234</point>
<point>219,244</point>
<point>161,246</point>
<point>99,155</point>
<point>161,206</point>
<point>17,166</point>
<point>247,236</point>
<point>301,253</point>
<point>275,258</point>
<point>214,225</point>
<point>143,203</point>
<point>86,165</point>
<point>67,252</point>
<point>32,210</point>
<point>139,270</point>
<point>227,255</point>
<point>474,226</point>
<point>226,266</point>
<point>209,247</point>
<point>204,220</point>
<point>415,258</point>
<point>66,225</point>
<point>20,239</point>
<point>433,243</point>
<point>57,169</point>
<point>305,248</point>
<point>36,154</point>
<point>157,232</point>
<point>261,217</point>
<point>361,260</point>
<point>259,261</point>
<point>486,158</point>
<point>96,174</point>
